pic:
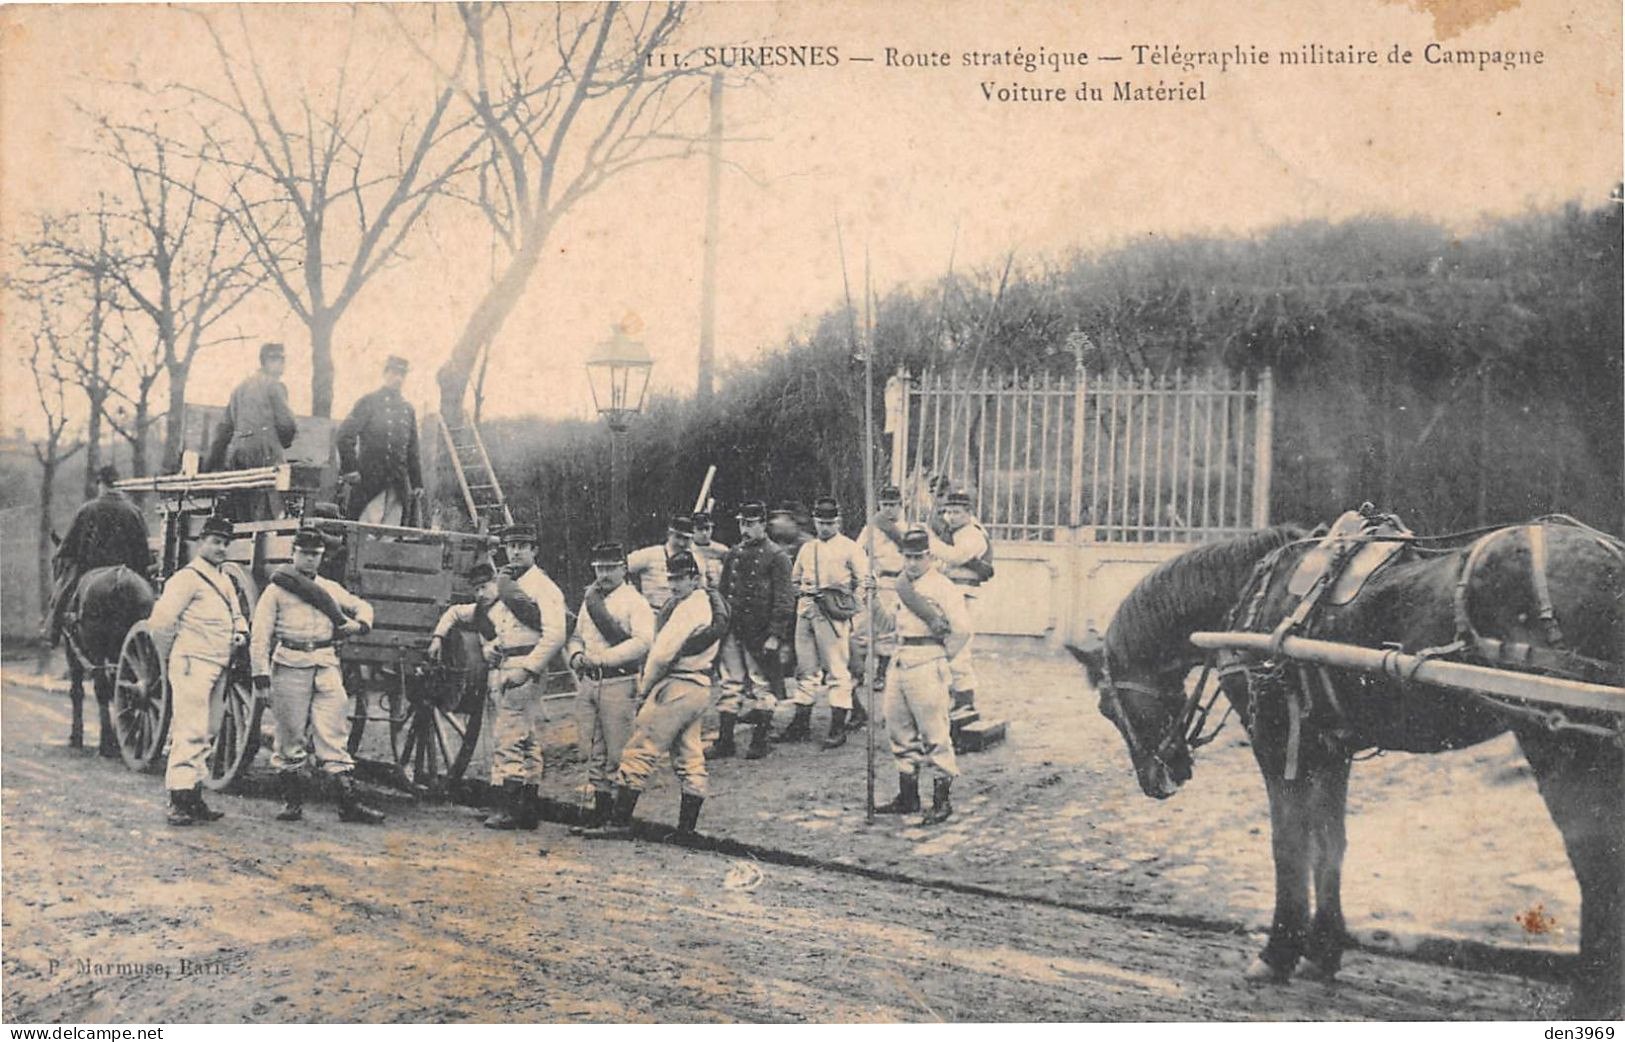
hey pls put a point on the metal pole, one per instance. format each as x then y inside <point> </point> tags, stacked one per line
<point>869,548</point>
<point>1263,449</point>
<point>617,483</point>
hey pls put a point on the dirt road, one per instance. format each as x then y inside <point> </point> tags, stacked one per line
<point>110,915</point>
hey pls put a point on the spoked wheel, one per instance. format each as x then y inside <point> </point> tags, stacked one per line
<point>140,700</point>
<point>234,720</point>
<point>436,719</point>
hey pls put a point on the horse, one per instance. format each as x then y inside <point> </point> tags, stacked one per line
<point>106,603</point>
<point>1556,588</point>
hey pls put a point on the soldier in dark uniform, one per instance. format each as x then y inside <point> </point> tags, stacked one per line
<point>787,526</point>
<point>257,426</point>
<point>108,530</point>
<point>756,584</point>
<point>378,453</point>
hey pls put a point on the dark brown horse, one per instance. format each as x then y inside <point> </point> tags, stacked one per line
<point>1307,723</point>
<point>106,603</point>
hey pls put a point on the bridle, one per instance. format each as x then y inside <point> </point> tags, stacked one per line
<point>1186,726</point>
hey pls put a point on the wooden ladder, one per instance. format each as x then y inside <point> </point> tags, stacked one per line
<point>482,493</point>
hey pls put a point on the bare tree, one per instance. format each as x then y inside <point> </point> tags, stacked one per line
<point>184,269</point>
<point>322,206</point>
<point>567,99</point>
<point>56,448</point>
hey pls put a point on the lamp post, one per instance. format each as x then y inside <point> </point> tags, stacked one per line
<point>618,373</point>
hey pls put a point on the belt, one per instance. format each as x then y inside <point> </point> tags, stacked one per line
<point>516,652</point>
<point>306,645</point>
<point>609,672</point>
<point>917,642</point>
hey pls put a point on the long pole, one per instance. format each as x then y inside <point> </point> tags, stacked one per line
<point>617,484</point>
<point>708,274</point>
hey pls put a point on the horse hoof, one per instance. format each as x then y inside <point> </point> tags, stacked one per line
<point>1309,969</point>
<point>1261,972</point>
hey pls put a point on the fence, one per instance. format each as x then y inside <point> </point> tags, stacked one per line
<point>1125,457</point>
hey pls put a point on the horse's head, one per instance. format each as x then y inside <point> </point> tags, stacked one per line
<point>1149,711</point>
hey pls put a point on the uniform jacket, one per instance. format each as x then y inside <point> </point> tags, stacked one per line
<point>836,561</point>
<point>888,556</point>
<point>685,619</point>
<point>626,606</point>
<point>949,600</point>
<point>648,566</point>
<point>281,615</point>
<point>710,556</point>
<point>107,530</point>
<point>756,583</point>
<point>379,439</point>
<point>968,543</point>
<point>198,613</point>
<point>550,599</point>
<point>257,426</point>
<point>511,633</point>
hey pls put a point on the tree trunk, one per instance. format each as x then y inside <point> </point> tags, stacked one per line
<point>93,446</point>
<point>321,363</point>
<point>174,422</point>
<point>46,494</point>
<point>483,326</point>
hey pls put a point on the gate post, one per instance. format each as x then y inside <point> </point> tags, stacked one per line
<point>1080,389</point>
<point>1263,448</point>
<point>897,392</point>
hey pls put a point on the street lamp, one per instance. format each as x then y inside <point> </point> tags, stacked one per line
<point>618,373</point>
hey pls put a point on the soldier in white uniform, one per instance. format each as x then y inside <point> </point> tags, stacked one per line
<point>676,688</point>
<point>614,631</point>
<point>881,540</point>
<point>199,623</point>
<point>299,620</point>
<point>533,582</point>
<point>647,567</point>
<point>510,626</point>
<point>963,554</point>
<point>827,573</point>
<point>932,627</point>
<point>707,551</point>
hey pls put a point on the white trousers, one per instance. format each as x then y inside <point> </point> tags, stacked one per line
<point>191,680</point>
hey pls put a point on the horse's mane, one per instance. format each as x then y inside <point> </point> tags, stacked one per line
<point>1154,622</point>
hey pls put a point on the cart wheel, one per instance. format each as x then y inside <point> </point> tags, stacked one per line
<point>140,700</point>
<point>234,720</point>
<point>435,725</point>
<point>356,687</point>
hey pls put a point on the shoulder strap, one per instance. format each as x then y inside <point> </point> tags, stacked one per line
<point>309,591</point>
<point>917,603</point>
<point>608,625</point>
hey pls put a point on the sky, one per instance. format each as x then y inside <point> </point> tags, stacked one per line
<point>917,163</point>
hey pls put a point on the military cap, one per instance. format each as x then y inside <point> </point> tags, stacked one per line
<point>682,565</point>
<point>214,524</point>
<point>309,539</point>
<point>396,364</point>
<point>519,534</point>
<point>826,509</point>
<point>682,524</point>
<point>107,475</point>
<point>609,553</point>
<point>891,494</point>
<point>788,508</point>
<point>755,510</point>
<point>330,511</point>
<point>269,351</point>
<point>959,498</point>
<point>702,519</point>
<point>481,573</point>
<point>916,542</point>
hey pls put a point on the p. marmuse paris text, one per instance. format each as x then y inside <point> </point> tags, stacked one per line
<point>1118,90</point>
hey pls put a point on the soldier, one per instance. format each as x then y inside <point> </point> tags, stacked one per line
<point>932,627</point>
<point>706,551</point>
<point>965,554</point>
<point>510,625</point>
<point>378,453</point>
<point>199,622</point>
<point>107,530</point>
<point>675,688</point>
<point>257,426</point>
<point>520,543</point>
<point>786,527</point>
<point>756,584</point>
<point>614,631</point>
<point>826,574</point>
<point>304,616</point>
<point>882,539</point>
<point>647,567</point>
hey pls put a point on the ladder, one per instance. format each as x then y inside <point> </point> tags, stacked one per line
<point>482,493</point>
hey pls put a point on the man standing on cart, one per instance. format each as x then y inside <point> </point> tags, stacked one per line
<point>257,427</point>
<point>198,623</point>
<point>378,453</point>
<point>304,616</point>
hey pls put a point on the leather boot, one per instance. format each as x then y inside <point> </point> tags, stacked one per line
<point>180,807</point>
<point>201,811</point>
<point>800,728</point>
<point>688,815</point>
<point>723,748</point>
<point>293,797</point>
<point>963,709</point>
<point>603,801</point>
<point>837,729</point>
<point>758,735</point>
<point>619,825</point>
<point>350,806</point>
<point>941,809</point>
<point>882,666</point>
<point>907,800</point>
<point>858,719</point>
<point>508,815</point>
<point>530,806</point>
